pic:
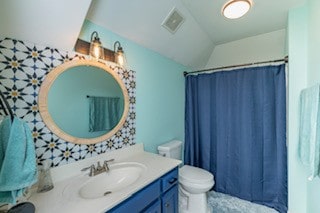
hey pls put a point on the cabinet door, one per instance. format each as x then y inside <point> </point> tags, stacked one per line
<point>154,208</point>
<point>139,200</point>
<point>170,200</point>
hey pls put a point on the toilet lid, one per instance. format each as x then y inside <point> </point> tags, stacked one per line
<point>194,174</point>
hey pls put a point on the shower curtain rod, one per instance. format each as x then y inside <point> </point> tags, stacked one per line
<point>285,60</point>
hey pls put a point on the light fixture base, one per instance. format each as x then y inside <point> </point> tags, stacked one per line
<point>83,47</point>
<point>235,9</point>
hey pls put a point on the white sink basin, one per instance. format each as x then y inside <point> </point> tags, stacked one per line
<point>120,176</point>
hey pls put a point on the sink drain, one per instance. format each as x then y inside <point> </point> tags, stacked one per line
<point>106,193</point>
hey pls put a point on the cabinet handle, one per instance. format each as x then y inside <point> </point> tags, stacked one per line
<point>173,180</point>
<point>167,205</point>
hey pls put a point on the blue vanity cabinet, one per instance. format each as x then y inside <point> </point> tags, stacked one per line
<point>161,196</point>
<point>169,197</point>
<point>140,200</point>
<point>170,200</point>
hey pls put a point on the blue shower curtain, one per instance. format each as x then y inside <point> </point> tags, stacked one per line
<point>236,129</point>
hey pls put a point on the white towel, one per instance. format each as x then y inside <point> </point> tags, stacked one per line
<point>309,134</point>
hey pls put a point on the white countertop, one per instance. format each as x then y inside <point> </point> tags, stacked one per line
<point>65,198</point>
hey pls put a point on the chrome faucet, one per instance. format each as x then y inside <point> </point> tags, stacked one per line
<point>99,169</point>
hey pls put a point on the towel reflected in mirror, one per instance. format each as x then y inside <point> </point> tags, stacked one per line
<point>104,113</point>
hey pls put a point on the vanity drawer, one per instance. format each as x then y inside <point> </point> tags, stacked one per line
<point>170,179</point>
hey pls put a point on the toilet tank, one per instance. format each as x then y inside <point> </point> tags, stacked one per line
<point>171,149</point>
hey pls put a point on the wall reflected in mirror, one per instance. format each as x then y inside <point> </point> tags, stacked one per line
<point>85,102</point>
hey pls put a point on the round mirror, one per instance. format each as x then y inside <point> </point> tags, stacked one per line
<point>83,101</point>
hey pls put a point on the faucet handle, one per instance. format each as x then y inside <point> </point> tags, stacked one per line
<point>92,170</point>
<point>110,160</point>
<point>87,168</point>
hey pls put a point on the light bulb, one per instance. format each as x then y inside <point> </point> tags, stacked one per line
<point>120,60</point>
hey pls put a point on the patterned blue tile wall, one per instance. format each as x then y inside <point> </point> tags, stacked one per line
<point>23,67</point>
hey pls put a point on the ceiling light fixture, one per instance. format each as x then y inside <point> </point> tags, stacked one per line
<point>236,8</point>
<point>96,49</point>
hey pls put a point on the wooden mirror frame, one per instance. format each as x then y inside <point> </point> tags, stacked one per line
<point>43,101</point>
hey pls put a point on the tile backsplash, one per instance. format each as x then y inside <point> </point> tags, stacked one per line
<point>23,67</point>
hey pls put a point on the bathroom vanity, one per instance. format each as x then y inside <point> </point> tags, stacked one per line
<point>132,180</point>
<point>149,184</point>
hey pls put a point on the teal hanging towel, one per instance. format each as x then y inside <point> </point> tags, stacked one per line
<point>103,113</point>
<point>18,168</point>
<point>309,133</point>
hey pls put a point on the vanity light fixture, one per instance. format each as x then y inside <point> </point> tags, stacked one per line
<point>96,49</point>
<point>119,56</point>
<point>236,8</point>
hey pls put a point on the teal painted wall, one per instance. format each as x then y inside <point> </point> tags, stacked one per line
<point>160,89</point>
<point>297,44</point>
<point>313,73</point>
<point>304,45</point>
<point>313,42</point>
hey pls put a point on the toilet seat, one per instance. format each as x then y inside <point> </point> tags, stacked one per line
<point>196,176</point>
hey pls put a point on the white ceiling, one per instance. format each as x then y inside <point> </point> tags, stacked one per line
<point>140,21</point>
<point>204,27</point>
<point>265,16</point>
<point>52,23</point>
<point>58,23</point>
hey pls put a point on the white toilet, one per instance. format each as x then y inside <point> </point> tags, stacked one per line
<point>193,182</point>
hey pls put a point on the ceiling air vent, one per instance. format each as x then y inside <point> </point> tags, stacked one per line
<point>173,21</point>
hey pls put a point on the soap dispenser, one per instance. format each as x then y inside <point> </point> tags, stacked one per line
<point>45,181</point>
